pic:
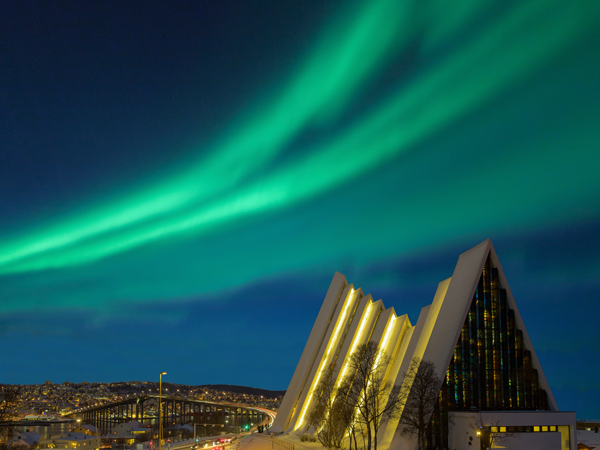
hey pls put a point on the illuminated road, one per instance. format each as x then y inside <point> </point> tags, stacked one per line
<point>226,441</point>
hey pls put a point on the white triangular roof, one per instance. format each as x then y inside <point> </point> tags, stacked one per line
<point>455,307</point>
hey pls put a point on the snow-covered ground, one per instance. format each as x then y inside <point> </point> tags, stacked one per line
<point>265,442</point>
<point>589,438</point>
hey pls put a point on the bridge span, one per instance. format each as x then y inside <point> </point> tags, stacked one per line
<point>209,417</point>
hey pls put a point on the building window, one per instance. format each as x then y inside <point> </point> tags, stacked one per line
<point>491,368</point>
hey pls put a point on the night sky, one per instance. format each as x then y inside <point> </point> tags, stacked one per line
<point>179,181</point>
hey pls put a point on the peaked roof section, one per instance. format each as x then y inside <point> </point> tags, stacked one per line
<point>455,307</point>
<point>349,318</point>
<point>308,360</point>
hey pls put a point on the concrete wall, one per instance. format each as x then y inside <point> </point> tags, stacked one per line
<point>464,427</point>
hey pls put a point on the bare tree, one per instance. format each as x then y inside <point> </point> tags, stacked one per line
<point>418,395</point>
<point>348,414</point>
<point>488,430</point>
<point>372,396</point>
<point>10,397</point>
<point>329,415</point>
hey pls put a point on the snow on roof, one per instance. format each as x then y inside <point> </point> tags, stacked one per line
<point>73,437</point>
<point>27,437</point>
<point>589,438</point>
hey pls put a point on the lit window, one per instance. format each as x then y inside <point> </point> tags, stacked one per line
<point>502,429</point>
<point>544,428</point>
<point>494,429</point>
<point>536,428</point>
<point>553,428</point>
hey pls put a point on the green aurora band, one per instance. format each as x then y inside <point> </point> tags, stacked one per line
<point>237,179</point>
<point>245,151</point>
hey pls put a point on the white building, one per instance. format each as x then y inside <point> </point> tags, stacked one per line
<point>26,439</point>
<point>492,387</point>
<point>88,429</point>
<point>72,441</point>
<point>129,432</point>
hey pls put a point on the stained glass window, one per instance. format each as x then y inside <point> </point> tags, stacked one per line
<point>491,369</point>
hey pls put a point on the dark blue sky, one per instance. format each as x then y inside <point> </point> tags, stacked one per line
<point>180,181</point>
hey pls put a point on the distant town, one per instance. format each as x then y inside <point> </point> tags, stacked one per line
<point>64,398</point>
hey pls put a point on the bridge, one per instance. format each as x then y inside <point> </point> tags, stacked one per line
<point>208,416</point>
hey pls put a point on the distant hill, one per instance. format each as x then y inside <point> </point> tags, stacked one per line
<point>243,390</point>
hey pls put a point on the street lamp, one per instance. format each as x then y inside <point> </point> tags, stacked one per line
<point>160,424</point>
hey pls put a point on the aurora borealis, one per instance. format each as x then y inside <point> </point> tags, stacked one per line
<point>179,183</point>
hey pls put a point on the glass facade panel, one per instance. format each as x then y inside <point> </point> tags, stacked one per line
<point>491,369</point>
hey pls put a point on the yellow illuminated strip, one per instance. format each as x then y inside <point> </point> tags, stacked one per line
<point>381,349</point>
<point>385,339</point>
<point>354,344</point>
<point>356,341</point>
<point>326,356</point>
<point>384,342</point>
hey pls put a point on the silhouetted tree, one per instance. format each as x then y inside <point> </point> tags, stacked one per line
<point>369,393</point>
<point>10,398</point>
<point>418,395</point>
<point>348,415</point>
<point>328,414</point>
<point>489,431</point>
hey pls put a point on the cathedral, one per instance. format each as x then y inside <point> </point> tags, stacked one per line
<point>492,389</point>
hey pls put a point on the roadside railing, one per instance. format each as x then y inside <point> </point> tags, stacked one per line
<point>275,441</point>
